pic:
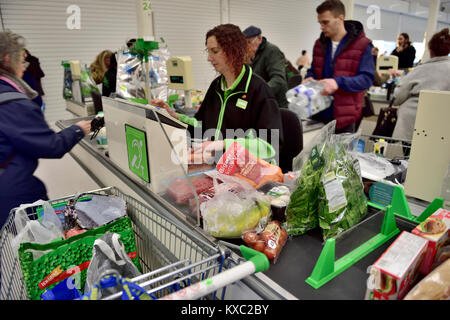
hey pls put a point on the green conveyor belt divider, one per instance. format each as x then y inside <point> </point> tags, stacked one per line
<point>401,207</point>
<point>327,268</point>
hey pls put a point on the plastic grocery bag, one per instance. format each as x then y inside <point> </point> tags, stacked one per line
<point>41,231</point>
<point>302,210</point>
<point>235,207</point>
<point>342,203</point>
<point>100,211</point>
<point>109,254</point>
<point>112,281</point>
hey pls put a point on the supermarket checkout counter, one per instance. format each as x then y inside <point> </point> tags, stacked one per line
<point>286,278</point>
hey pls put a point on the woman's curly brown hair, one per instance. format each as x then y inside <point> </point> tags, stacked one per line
<point>232,41</point>
<point>440,43</point>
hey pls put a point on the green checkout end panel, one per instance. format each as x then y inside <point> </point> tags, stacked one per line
<point>137,152</point>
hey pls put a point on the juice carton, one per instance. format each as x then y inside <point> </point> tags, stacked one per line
<point>393,274</point>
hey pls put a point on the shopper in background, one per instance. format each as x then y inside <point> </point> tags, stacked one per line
<point>343,62</point>
<point>101,65</point>
<point>31,80</point>
<point>430,75</point>
<point>405,52</point>
<point>236,99</point>
<point>24,134</point>
<point>109,80</point>
<point>34,68</point>
<point>303,61</point>
<point>268,61</point>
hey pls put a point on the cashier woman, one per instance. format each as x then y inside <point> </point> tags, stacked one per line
<point>24,134</point>
<point>237,99</point>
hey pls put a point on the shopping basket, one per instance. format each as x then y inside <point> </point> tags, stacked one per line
<point>391,148</point>
<point>172,256</point>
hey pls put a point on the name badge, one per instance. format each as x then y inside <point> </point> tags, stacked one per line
<point>241,104</point>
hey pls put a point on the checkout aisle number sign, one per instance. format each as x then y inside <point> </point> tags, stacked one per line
<point>137,152</point>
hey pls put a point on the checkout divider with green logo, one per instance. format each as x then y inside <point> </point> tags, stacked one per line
<point>137,152</point>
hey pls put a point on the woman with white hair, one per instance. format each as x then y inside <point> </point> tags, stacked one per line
<point>24,134</point>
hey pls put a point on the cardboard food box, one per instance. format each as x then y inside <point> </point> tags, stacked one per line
<point>436,229</point>
<point>393,274</point>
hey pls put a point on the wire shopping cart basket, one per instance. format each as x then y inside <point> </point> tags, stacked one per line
<point>176,262</point>
<point>389,147</point>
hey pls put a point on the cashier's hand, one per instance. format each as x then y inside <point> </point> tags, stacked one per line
<point>85,126</point>
<point>208,146</point>
<point>330,87</point>
<point>163,105</point>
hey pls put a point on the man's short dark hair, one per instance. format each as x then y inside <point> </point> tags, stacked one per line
<point>336,7</point>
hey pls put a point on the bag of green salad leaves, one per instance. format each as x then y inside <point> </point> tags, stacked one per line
<point>302,210</point>
<point>342,203</point>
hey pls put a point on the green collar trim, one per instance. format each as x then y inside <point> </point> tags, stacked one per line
<point>235,83</point>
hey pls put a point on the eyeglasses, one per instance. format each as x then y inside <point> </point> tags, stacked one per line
<point>25,64</point>
<point>213,51</point>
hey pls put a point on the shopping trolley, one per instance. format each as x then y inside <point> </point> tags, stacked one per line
<point>391,148</point>
<point>177,263</point>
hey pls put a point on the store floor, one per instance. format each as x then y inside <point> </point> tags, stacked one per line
<point>64,177</point>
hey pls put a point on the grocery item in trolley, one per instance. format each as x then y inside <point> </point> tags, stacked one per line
<point>435,229</point>
<point>393,274</point>
<point>238,162</point>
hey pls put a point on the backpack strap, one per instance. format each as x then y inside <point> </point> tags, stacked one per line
<point>12,96</point>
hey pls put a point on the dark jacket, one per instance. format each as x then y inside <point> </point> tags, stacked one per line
<point>406,57</point>
<point>251,105</point>
<point>269,64</point>
<point>36,72</point>
<point>24,138</point>
<point>353,69</point>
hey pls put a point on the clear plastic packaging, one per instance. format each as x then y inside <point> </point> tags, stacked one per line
<point>435,286</point>
<point>306,99</point>
<point>100,210</point>
<point>302,210</point>
<point>109,255</point>
<point>230,212</point>
<point>270,241</point>
<point>342,203</point>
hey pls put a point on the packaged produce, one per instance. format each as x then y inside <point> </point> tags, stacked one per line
<point>342,203</point>
<point>435,286</point>
<point>393,274</point>
<point>181,191</point>
<point>270,241</point>
<point>302,210</point>
<point>238,162</point>
<point>436,229</point>
<point>229,213</point>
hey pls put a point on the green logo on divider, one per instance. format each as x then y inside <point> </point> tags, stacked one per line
<point>137,152</point>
